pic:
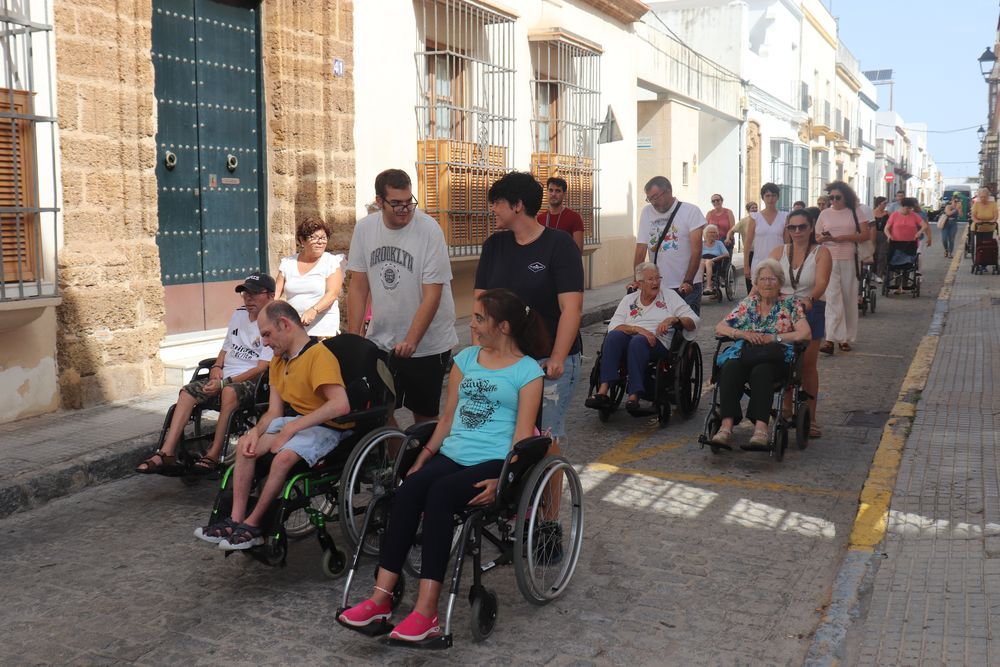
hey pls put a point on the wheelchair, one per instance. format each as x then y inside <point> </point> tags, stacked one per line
<point>675,380</point>
<point>544,551</point>
<point>867,289</point>
<point>724,280</point>
<point>310,497</point>
<point>195,438</point>
<point>903,268</point>
<point>780,425</point>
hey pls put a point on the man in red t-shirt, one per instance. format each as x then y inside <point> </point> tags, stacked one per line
<point>561,217</point>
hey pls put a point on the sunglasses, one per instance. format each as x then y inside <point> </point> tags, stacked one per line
<point>836,197</point>
<point>797,228</point>
<point>716,201</point>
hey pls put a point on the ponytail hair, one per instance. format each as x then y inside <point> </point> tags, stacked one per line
<point>526,326</point>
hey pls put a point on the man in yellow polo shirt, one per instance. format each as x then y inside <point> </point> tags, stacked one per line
<point>305,375</point>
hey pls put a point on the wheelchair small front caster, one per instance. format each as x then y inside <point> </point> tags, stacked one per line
<point>484,614</point>
<point>334,563</point>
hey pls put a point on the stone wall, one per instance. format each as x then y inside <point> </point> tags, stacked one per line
<point>110,322</point>
<point>310,119</point>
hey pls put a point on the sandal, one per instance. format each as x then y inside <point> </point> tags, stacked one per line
<point>598,402</point>
<point>156,468</point>
<point>216,532</point>
<point>814,432</point>
<point>244,536</point>
<point>722,436</point>
<point>826,348</point>
<point>206,465</point>
<point>844,347</point>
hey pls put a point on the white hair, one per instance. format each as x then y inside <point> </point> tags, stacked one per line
<point>774,266</point>
<point>644,267</point>
<point>711,228</point>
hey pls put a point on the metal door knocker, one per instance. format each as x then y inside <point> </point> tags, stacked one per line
<point>232,162</point>
<point>170,160</point>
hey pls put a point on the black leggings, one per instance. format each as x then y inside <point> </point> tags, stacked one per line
<point>734,375</point>
<point>436,491</point>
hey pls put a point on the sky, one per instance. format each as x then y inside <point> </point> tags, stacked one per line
<point>932,46</point>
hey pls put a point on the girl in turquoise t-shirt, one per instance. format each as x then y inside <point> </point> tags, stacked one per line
<point>494,392</point>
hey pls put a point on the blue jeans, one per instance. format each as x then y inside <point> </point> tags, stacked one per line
<point>948,236</point>
<point>635,349</point>
<point>557,396</point>
<point>693,298</point>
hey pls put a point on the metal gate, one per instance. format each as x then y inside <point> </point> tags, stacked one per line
<point>209,171</point>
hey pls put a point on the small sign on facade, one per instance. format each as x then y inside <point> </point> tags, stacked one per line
<point>644,143</point>
<point>338,67</point>
<point>890,177</point>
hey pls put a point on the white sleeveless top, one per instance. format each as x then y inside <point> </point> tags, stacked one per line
<point>807,279</point>
<point>767,237</point>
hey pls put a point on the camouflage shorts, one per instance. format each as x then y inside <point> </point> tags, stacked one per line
<point>244,391</point>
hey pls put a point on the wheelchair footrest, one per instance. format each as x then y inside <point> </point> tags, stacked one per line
<point>707,441</point>
<point>432,643</point>
<point>643,412</point>
<point>747,447</point>
<point>376,629</point>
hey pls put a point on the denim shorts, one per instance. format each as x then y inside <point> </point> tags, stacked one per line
<point>557,395</point>
<point>816,317</point>
<point>311,444</point>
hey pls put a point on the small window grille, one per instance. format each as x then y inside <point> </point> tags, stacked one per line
<point>465,114</point>
<point>566,91</point>
<point>28,179</point>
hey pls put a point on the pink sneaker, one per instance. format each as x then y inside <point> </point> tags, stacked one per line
<point>366,613</point>
<point>416,627</point>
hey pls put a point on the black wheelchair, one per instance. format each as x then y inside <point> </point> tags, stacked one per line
<point>790,382</point>
<point>867,289</point>
<point>310,497</point>
<point>902,271</point>
<point>540,535</point>
<point>196,437</point>
<point>675,380</point>
<point>724,280</point>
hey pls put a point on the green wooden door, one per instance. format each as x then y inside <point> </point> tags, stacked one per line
<point>209,156</point>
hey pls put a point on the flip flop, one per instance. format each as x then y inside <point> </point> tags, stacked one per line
<point>814,432</point>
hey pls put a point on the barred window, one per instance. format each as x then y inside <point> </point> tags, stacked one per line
<point>465,114</point>
<point>821,171</point>
<point>566,90</point>
<point>28,178</point>
<point>790,172</point>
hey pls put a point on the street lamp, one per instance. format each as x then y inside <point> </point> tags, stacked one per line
<point>981,133</point>
<point>986,62</point>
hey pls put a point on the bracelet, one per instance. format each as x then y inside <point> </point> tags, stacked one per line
<point>222,383</point>
<point>217,366</point>
<point>427,449</point>
<point>382,590</point>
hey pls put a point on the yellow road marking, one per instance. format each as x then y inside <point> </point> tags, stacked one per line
<point>718,480</point>
<point>876,495</point>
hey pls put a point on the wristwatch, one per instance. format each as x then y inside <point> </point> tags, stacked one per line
<point>777,338</point>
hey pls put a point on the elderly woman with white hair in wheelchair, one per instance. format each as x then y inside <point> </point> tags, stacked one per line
<point>639,332</point>
<point>764,326</point>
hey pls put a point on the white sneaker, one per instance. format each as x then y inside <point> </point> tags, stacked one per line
<point>878,280</point>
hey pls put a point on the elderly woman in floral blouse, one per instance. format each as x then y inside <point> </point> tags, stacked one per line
<point>640,331</point>
<point>763,318</point>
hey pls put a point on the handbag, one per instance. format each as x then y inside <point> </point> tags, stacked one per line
<point>768,353</point>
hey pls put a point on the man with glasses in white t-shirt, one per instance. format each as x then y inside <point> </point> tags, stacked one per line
<point>399,257</point>
<point>670,231</point>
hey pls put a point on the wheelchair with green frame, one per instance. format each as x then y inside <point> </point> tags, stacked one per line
<point>309,498</point>
<point>539,534</point>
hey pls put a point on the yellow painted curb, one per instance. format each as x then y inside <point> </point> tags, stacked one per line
<point>876,495</point>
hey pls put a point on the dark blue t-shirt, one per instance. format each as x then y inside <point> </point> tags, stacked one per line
<point>537,272</point>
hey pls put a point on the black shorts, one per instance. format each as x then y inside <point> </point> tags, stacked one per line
<point>419,381</point>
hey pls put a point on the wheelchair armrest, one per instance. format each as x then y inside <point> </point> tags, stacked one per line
<point>520,459</point>
<point>421,432</point>
<point>363,415</point>
<point>207,363</point>
<point>725,339</point>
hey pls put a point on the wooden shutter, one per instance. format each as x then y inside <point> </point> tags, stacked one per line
<point>18,241</point>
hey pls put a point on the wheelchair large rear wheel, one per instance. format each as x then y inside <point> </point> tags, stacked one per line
<point>368,473</point>
<point>548,531</point>
<point>730,283</point>
<point>688,379</point>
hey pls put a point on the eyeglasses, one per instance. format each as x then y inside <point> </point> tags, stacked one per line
<point>315,238</point>
<point>651,198</point>
<point>767,279</point>
<point>836,197</point>
<point>797,228</point>
<point>402,206</point>
<point>716,201</point>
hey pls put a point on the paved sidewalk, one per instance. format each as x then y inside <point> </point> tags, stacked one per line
<point>936,594</point>
<point>47,457</point>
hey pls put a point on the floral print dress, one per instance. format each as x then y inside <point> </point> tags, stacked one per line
<point>785,313</point>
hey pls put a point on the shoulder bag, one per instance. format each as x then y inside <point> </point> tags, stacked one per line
<point>663,234</point>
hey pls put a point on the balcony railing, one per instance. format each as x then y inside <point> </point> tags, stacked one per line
<point>847,60</point>
<point>826,113</point>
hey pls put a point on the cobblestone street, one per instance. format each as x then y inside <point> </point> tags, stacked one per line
<point>688,558</point>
